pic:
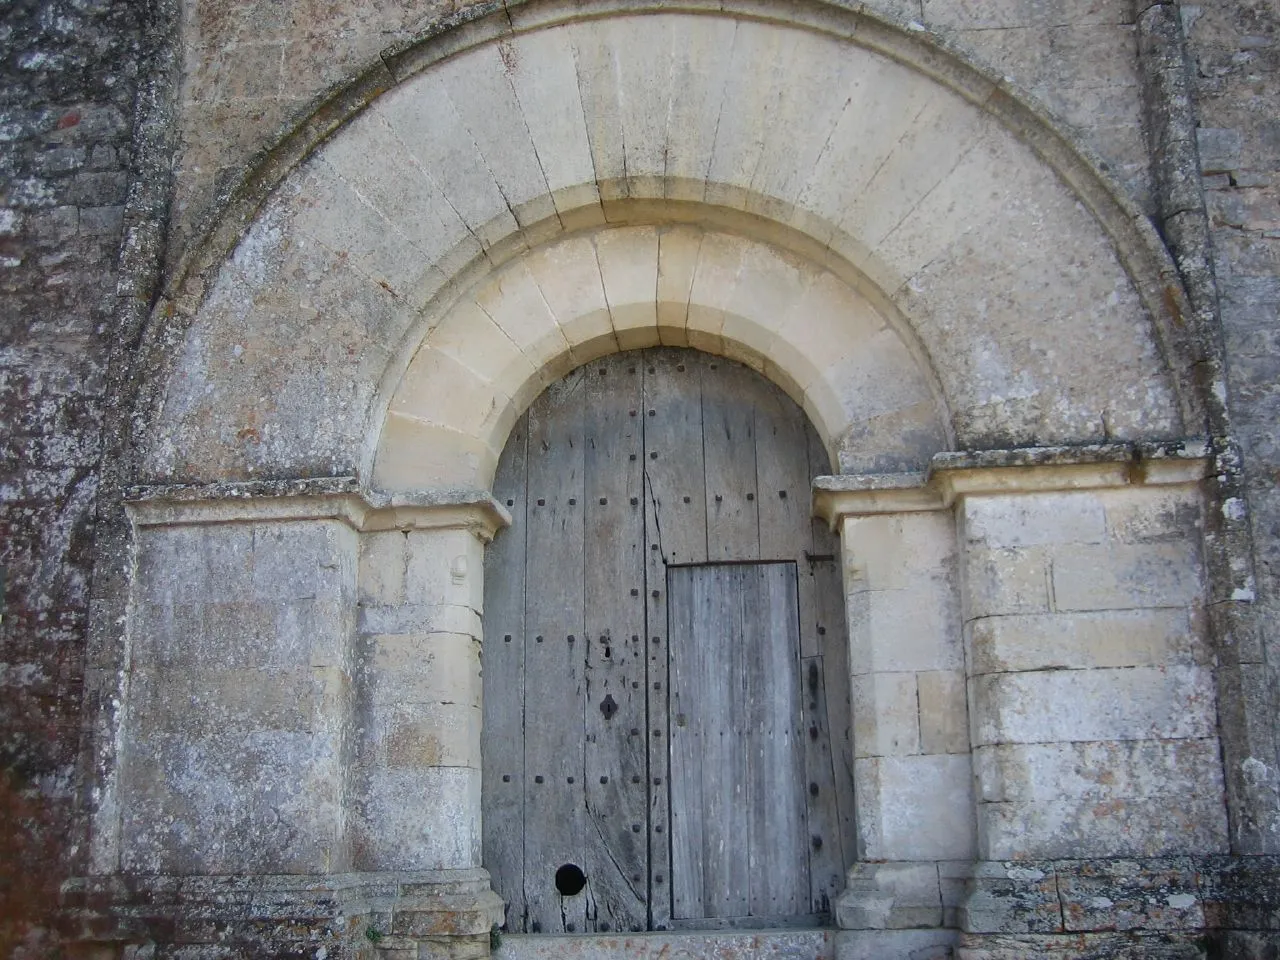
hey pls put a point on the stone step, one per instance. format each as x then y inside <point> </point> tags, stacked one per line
<point>711,945</point>
<point>734,945</point>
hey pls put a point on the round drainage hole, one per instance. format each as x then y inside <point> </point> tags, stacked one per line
<point>570,880</point>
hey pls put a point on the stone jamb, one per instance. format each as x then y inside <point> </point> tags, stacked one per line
<point>326,498</point>
<point>913,894</point>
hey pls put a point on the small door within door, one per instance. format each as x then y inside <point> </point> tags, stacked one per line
<point>739,837</point>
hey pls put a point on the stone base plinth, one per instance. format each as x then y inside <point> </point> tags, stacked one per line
<point>1168,907</point>
<point>360,916</point>
<point>721,945</point>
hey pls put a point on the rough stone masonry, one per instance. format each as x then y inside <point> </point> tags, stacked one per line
<point>278,279</point>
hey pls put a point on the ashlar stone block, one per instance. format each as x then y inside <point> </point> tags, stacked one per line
<point>1054,706</point>
<point>885,715</point>
<point>421,736</point>
<point>569,275</point>
<point>899,551</point>
<point>1034,519</point>
<point>479,86</point>
<point>629,268</point>
<point>1123,576</point>
<point>1071,827</point>
<point>441,390</point>
<point>447,566</point>
<point>430,668</point>
<point>1012,898</point>
<point>905,629</point>
<point>514,301</point>
<point>546,85</point>
<point>392,834</point>
<point>944,713</point>
<point>915,808</point>
<point>426,120</point>
<point>383,562</point>
<point>678,249</point>
<point>1101,771</point>
<point>890,896</point>
<point>1007,580</point>
<point>1077,641</point>
<point>473,339</point>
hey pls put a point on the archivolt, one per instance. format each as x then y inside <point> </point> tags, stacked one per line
<point>475,370</point>
<point>999,259</point>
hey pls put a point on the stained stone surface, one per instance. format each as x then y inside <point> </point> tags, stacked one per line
<point>257,709</point>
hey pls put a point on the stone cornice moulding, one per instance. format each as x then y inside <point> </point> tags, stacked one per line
<point>325,498</point>
<point>1024,470</point>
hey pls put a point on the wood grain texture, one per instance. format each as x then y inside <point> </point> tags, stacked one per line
<point>676,532</point>
<point>555,686</point>
<point>614,476</point>
<point>729,449</point>
<point>617,855</point>
<point>502,738</point>
<point>832,641</point>
<point>738,829</point>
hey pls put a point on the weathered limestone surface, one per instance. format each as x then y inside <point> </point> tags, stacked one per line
<point>1104,744</point>
<point>921,211</point>
<point>265,683</point>
<point>239,723</point>
<point>253,68</point>
<point>480,366</point>
<point>421,602</point>
<point>912,771</point>
<point>1236,54</point>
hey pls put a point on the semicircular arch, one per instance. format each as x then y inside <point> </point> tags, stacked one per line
<point>472,371</point>
<point>1029,287</point>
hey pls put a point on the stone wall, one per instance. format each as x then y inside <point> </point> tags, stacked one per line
<point>68,78</point>
<point>239,700</point>
<point>253,69</point>
<point>80,195</point>
<point>1094,715</point>
<point>1235,49</point>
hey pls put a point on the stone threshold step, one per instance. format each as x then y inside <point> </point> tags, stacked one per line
<point>711,945</point>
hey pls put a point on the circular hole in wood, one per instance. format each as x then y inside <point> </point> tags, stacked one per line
<point>570,880</point>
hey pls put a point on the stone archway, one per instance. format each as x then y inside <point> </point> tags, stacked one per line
<point>318,445</point>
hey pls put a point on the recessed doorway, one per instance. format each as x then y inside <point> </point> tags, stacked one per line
<point>666,741</point>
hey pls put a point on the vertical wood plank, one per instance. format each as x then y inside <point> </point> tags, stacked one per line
<point>688,751</point>
<point>729,447</point>
<point>833,635</point>
<point>673,456</point>
<point>826,844</point>
<point>778,867</point>
<point>713,641</point>
<point>675,533</point>
<point>782,473</point>
<point>785,495</point>
<point>555,801</point>
<point>502,669</point>
<point>617,861</point>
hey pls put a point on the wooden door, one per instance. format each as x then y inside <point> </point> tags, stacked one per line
<point>628,469</point>
<point>739,838</point>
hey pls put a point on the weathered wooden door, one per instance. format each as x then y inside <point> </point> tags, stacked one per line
<point>739,844</point>
<point>628,471</point>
